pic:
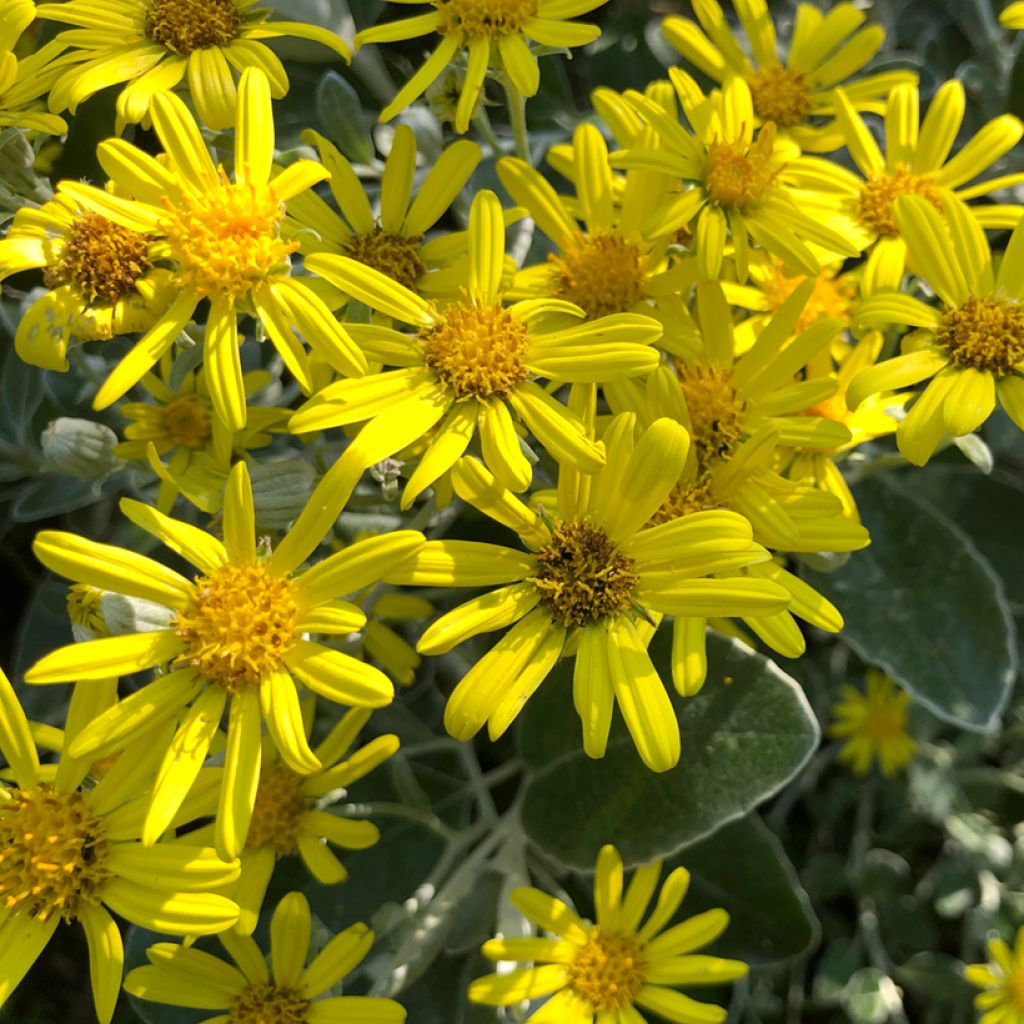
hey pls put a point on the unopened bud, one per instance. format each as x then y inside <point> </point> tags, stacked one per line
<point>79,448</point>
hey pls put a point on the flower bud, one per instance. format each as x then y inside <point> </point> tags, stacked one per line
<point>79,448</point>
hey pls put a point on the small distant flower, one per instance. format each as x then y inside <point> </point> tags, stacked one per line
<point>236,643</point>
<point>824,50</point>
<point>1001,1000</point>
<point>154,44</point>
<point>494,33</point>
<point>72,853</point>
<point>616,967</point>
<point>250,992</point>
<point>873,726</point>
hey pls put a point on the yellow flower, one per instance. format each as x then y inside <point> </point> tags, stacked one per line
<point>69,853</point>
<point>289,992</point>
<point>102,279</point>
<point>616,967</point>
<point>392,242</point>
<point>22,82</point>
<point>824,50</point>
<point>916,163</point>
<point>873,726</point>
<point>493,33</point>
<point>154,44</point>
<point>234,642</point>
<point>471,364</point>
<point>1012,15</point>
<point>1002,978</point>
<point>972,350</point>
<point>224,240</point>
<point>609,264</point>
<point>739,188</point>
<point>289,815</point>
<point>594,581</point>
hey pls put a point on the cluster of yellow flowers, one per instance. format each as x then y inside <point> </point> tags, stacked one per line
<point>658,410</point>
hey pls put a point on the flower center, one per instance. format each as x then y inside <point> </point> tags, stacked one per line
<point>684,500</point>
<point>102,258</point>
<point>85,610</point>
<point>239,626</point>
<point>877,195</point>
<point>582,577</point>
<point>884,722</point>
<point>395,255</point>
<point>227,239</point>
<point>484,19</point>
<point>280,806</point>
<point>607,972</point>
<point>476,350</point>
<point>987,334</point>
<point>52,853</point>
<point>716,412</point>
<point>1015,988</point>
<point>780,95</point>
<point>187,421</point>
<point>187,25</point>
<point>831,296</point>
<point>739,174</point>
<point>602,274</point>
<point>268,1004</point>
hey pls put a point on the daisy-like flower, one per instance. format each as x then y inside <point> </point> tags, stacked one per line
<point>223,238</point>
<point>235,642</point>
<point>289,815</point>
<point>392,240</point>
<point>1001,980</point>
<point>608,264</point>
<point>69,853</point>
<point>154,44</point>
<point>249,992</point>
<point>102,279</point>
<point>1012,17</point>
<point>469,367</point>
<point>972,350</point>
<point>825,49</point>
<point>738,181</point>
<point>179,421</point>
<point>23,82</point>
<point>493,33</point>
<point>873,726</point>
<point>917,162</point>
<point>615,968</point>
<point>595,578</point>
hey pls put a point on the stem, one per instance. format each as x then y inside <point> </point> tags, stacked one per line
<point>392,810</point>
<point>483,123</point>
<point>517,118</point>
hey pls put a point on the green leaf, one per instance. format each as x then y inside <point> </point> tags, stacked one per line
<point>341,116</point>
<point>744,870</point>
<point>747,733</point>
<point>925,606</point>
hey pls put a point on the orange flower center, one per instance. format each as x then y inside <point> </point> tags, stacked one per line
<point>52,853</point>
<point>987,334</point>
<point>279,809</point>
<point>608,972</point>
<point>780,95</point>
<point>102,258</point>
<point>187,421</point>
<point>484,19</point>
<point>875,205</point>
<point>602,274</point>
<point>397,256</point>
<point>476,350</point>
<point>268,1004</point>
<point>186,25</point>
<point>239,625</point>
<point>741,175</point>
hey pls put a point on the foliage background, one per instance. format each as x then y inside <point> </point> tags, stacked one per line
<point>854,899</point>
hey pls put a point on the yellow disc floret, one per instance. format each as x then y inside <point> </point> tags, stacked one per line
<point>601,273</point>
<point>280,807</point>
<point>477,350</point>
<point>227,239</point>
<point>102,258</point>
<point>608,972</point>
<point>684,499</point>
<point>987,334</point>
<point>716,411</point>
<point>85,610</point>
<point>187,421</point>
<point>832,296</point>
<point>484,19</point>
<point>398,256</point>
<point>582,577</point>
<point>239,625</point>
<point>52,853</point>
<point>739,174</point>
<point>268,1004</point>
<point>875,205</point>
<point>187,25</point>
<point>780,94</point>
